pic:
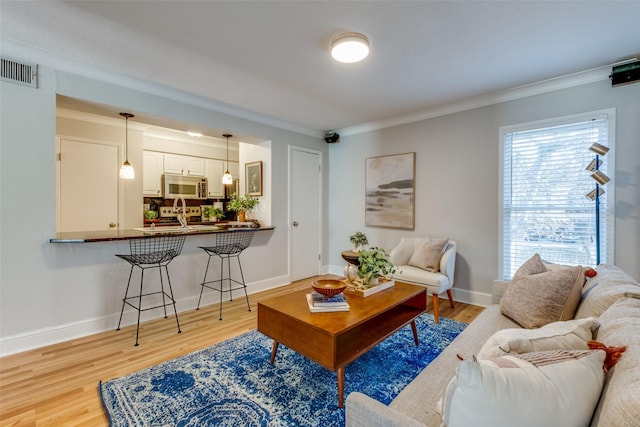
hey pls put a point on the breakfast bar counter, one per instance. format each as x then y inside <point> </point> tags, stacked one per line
<point>148,232</point>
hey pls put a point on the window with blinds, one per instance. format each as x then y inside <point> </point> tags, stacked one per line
<point>545,182</point>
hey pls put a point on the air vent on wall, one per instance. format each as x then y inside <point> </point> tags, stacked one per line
<point>19,72</point>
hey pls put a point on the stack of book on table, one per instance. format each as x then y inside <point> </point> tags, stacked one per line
<point>321,304</point>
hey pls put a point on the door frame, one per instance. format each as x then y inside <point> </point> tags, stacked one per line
<point>121,159</point>
<point>319,153</point>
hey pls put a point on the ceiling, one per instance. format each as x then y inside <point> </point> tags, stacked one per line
<point>270,61</point>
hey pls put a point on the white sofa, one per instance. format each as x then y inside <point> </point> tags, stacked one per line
<point>435,282</point>
<point>613,297</point>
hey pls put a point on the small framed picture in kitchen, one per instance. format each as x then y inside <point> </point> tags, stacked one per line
<point>253,178</point>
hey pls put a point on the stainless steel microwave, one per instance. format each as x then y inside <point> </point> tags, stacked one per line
<point>189,187</point>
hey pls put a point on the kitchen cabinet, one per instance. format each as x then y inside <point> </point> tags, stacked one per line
<point>214,169</point>
<point>152,168</point>
<point>184,165</point>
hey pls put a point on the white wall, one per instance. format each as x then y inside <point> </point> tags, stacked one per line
<point>457,179</point>
<point>253,153</point>
<point>55,292</point>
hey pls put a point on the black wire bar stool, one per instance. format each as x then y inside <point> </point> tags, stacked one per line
<point>151,252</point>
<point>228,245</point>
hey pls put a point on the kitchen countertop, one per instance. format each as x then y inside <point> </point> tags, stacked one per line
<point>128,234</point>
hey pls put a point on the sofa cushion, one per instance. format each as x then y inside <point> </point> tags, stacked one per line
<point>559,388</point>
<point>563,335</point>
<point>427,254</point>
<point>535,300</point>
<point>619,404</point>
<point>609,285</point>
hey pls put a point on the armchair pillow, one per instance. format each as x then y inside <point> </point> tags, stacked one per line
<point>428,254</point>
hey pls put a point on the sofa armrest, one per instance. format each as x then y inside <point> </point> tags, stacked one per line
<point>363,411</point>
<point>498,290</point>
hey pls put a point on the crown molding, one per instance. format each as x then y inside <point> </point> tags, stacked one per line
<point>520,92</point>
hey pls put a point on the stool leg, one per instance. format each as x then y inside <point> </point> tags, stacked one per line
<point>204,280</point>
<point>229,277</point>
<point>175,310</point>
<point>243,283</point>
<point>164,302</point>
<point>139,306</point>
<point>125,298</point>
<point>221,279</point>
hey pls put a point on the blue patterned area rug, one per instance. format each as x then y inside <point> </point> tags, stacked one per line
<point>233,384</point>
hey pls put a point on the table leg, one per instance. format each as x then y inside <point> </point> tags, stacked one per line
<point>274,350</point>
<point>340,387</point>
<point>415,331</point>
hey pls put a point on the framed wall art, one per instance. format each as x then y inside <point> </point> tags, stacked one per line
<point>253,178</point>
<point>390,191</point>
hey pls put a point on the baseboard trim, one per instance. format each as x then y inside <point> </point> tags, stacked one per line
<point>56,334</point>
<point>481,299</point>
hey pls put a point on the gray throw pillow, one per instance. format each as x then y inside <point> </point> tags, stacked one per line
<point>535,300</point>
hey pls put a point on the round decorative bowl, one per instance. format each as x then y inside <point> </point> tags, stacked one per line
<point>328,287</point>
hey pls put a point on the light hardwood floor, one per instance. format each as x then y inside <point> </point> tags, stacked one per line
<point>57,385</point>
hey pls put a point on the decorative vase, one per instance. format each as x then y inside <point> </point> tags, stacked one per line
<point>241,216</point>
<point>351,272</point>
<point>356,248</point>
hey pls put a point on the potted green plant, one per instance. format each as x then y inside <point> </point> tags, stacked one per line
<point>358,240</point>
<point>241,204</point>
<point>372,264</point>
<point>214,214</point>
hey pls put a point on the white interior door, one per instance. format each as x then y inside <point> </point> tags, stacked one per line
<point>305,220</point>
<point>88,192</point>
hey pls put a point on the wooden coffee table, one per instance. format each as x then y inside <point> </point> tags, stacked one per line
<point>334,340</point>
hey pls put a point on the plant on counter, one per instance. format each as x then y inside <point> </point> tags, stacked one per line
<point>149,214</point>
<point>241,204</point>
<point>358,240</point>
<point>374,263</point>
<point>212,213</point>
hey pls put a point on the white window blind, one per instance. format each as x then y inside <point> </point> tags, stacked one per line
<point>544,205</point>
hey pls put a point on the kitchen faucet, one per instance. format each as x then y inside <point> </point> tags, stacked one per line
<point>182,217</point>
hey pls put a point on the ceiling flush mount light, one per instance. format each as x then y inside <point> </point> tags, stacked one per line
<point>194,134</point>
<point>227,178</point>
<point>350,47</point>
<point>126,170</point>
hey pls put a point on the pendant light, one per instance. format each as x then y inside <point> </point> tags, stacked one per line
<point>227,178</point>
<point>126,170</point>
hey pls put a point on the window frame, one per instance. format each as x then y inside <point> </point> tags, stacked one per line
<point>609,233</point>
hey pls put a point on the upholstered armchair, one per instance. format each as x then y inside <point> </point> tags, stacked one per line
<point>437,281</point>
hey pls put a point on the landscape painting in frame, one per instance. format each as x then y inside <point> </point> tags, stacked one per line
<point>390,189</point>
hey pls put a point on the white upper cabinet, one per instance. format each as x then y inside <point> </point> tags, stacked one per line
<point>152,173</point>
<point>214,170</point>
<point>184,165</point>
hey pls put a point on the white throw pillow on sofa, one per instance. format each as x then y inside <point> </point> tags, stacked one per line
<point>549,388</point>
<point>563,335</point>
